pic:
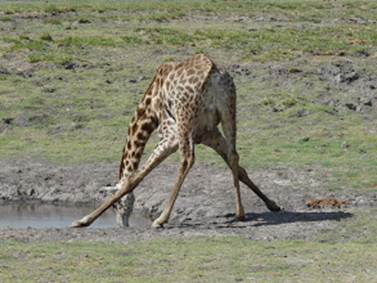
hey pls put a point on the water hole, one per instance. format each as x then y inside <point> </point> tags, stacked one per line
<point>45,215</point>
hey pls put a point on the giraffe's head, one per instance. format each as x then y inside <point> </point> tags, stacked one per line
<point>123,208</point>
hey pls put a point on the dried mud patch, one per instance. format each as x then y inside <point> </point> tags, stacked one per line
<point>205,205</point>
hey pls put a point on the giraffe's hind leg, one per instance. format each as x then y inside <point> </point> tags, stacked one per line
<point>228,123</point>
<point>226,107</point>
<point>217,142</point>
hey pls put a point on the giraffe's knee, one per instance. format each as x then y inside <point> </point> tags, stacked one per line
<point>233,157</point>
<point>188,162</point>
<point>242,173</point>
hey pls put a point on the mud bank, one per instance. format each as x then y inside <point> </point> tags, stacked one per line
<point>205,205</point>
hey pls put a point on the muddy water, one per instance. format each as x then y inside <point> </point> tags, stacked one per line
<point>41,215</point>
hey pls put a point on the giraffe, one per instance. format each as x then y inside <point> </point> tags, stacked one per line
<point>185,103</point>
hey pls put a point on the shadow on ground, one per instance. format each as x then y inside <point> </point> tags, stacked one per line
<point>270,218</point>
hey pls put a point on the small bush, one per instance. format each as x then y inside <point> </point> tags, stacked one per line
<point>133,40</point>
<point>54,10</point>
<point>84,21</point>
<point>46,37</point>
<point>52,21</point>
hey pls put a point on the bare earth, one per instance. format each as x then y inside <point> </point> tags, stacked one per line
<point>205,205</point>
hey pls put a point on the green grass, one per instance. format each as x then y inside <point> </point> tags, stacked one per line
<point>360,228</point>
<point>308,8</point>
<point>264,44</point>
<point>213,259</point>
<point>108,43</point>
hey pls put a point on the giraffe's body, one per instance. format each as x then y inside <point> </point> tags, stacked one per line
<point>185,102</point>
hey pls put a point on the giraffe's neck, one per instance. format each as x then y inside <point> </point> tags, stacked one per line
<point>143,123</point>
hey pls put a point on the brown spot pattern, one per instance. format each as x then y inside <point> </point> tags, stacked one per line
<point>192,74</point>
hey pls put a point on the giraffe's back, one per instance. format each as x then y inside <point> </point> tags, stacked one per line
<point>196,89</point>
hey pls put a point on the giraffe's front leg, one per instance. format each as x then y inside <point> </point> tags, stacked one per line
<point>186,147</point>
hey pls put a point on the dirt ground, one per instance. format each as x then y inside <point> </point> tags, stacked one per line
<point>71,75</point>
<point>205,205</point>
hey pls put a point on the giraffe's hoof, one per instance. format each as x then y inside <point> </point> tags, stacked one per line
<point>79,224</point>
<point>76,224</point>
<point>240,214</point>
<point>157,224</point>
<point>272,206</point>
<point>241,217</point>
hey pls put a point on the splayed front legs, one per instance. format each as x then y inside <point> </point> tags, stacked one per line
<point>127,185</point>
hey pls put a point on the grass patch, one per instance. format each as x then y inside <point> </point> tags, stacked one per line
<point>78,42</point>
<point>279,124</point>
<point>59,9</point>
<point>5,19</point>
<point>361,228</point>
<point>25,42</point>
<point>215,259</point>
<point>268,44</point>
<point>53,57</point>
<point>46,37</point>
<point>52,21</point>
